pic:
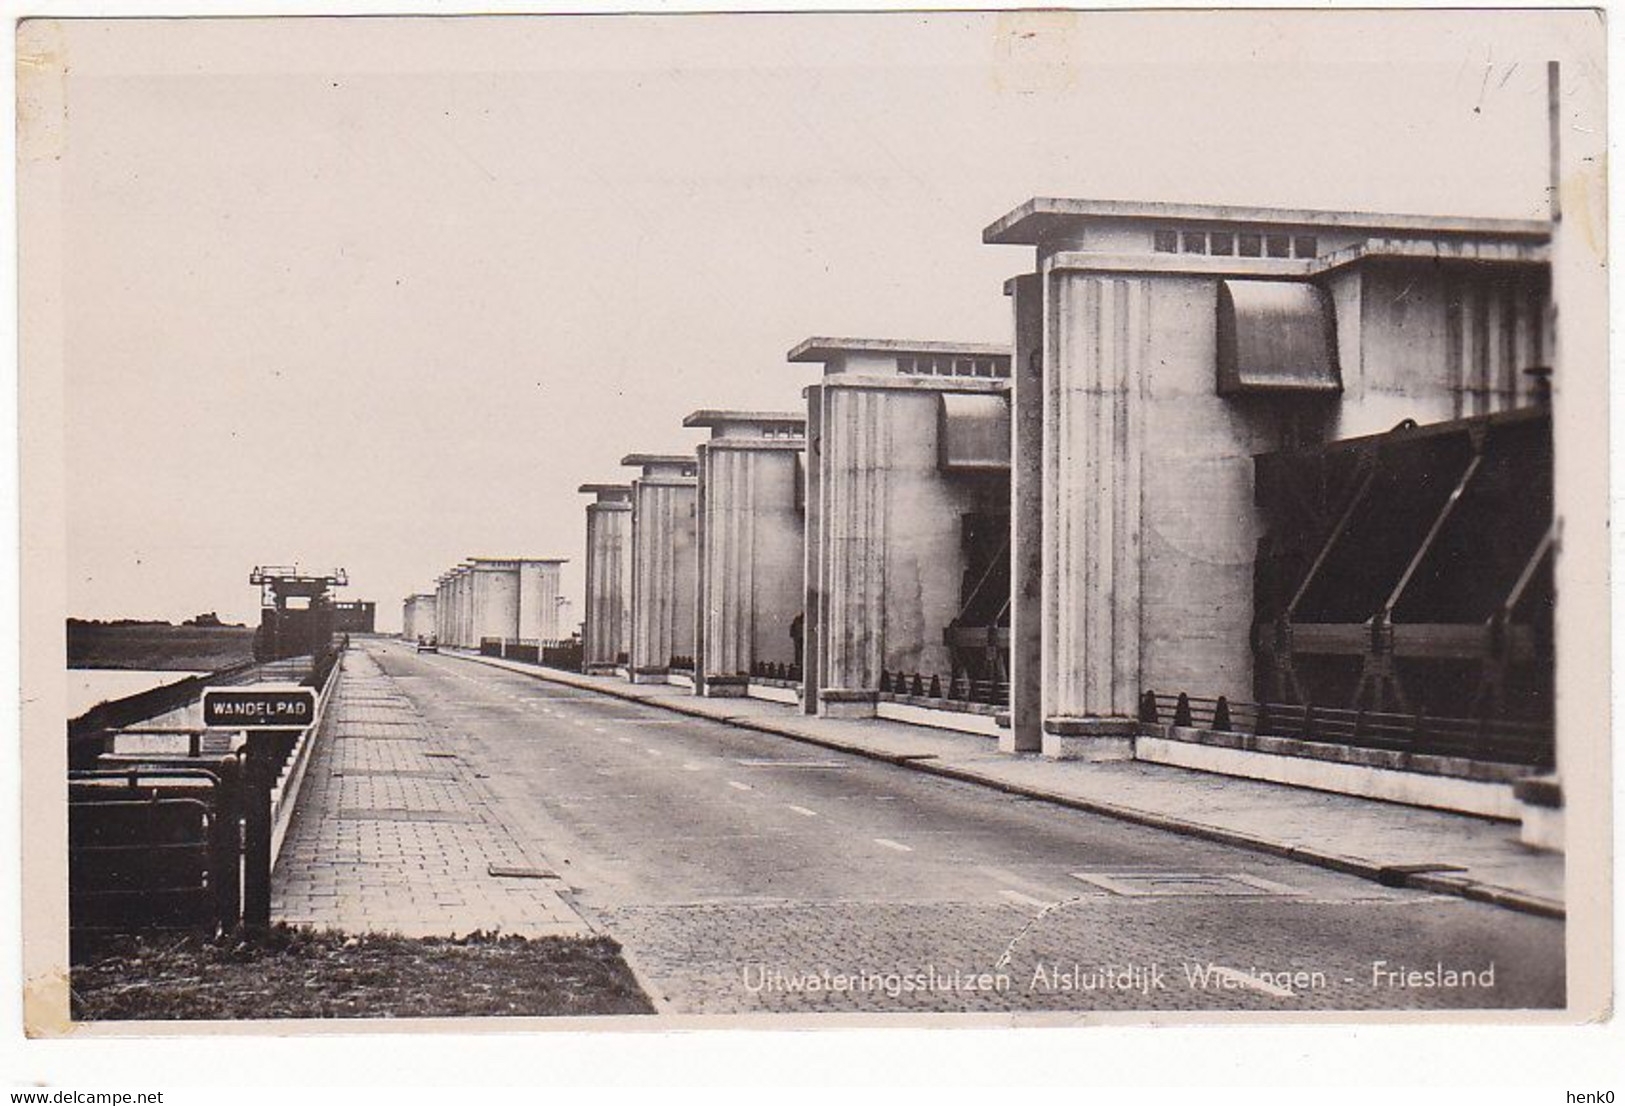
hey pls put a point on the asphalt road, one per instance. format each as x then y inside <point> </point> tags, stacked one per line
<point>744,873</point>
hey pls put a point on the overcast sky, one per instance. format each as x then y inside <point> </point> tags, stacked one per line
<point>381,294</point>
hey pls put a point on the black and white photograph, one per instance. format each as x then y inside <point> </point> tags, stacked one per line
<point>809,519</point>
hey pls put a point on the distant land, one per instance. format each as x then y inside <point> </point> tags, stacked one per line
<point>201,644</point>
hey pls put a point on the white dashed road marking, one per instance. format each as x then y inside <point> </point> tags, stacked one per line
<point>737,786</point>
<point>1044,894</point>
<point>803,811</point>
<point>890,844</point>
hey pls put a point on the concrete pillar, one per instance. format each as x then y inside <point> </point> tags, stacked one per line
<point>606,632</point>
<point>454,608</point>
<point>419,617</point>
<point>886,510</point>
<point>1094,355</point>
<point>494,598</point>
<point>812,560</point>
<point>449,609</point>
<point>539,600</point>
<point>854,512</point>
<point>1026,731</point>
<point>465,608</point>
<point>749,545</point>
<point>664,564</point>
<point>1577,790</point>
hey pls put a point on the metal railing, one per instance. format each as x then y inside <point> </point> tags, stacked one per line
<point>188,838</point>
<point>1492,739</point>
<point>786,671</point>
<point>88,732</point>
<point>155,846</point>
<point>567,655</point>
<point>958,688</point>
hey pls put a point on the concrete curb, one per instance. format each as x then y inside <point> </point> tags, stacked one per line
<point>1389,875</point>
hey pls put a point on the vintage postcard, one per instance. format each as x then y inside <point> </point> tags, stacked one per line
<point>814,519</point>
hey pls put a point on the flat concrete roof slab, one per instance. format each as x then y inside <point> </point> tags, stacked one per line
<point>1044,217</point>
<point>826,349</point>
<point>711,417</point>
<point>640,459</point>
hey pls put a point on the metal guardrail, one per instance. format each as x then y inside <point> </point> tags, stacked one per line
<point>1502,740</point>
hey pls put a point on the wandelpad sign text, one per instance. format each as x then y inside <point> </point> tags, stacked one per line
<point>259,707</point>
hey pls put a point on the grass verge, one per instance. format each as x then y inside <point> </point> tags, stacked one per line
<point>288,972</point>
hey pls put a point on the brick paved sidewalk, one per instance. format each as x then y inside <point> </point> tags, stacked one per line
<point>393,834</point>
<point>1472,857</point>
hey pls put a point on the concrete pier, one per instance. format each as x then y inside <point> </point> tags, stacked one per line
<point>664,564</point>
<point>1174,343</point>
<point>509,599</point>
<point>420,616</point>
<point>607,629</point>
<point>907,488</point>
<point>750,546</point>
<point>452,607</point>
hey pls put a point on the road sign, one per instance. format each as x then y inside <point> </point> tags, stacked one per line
<point>259,707</point>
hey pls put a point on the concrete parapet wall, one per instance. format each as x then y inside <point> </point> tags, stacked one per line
<point>773,693</point>
<point>1467,796</point>
<point>987,725</point>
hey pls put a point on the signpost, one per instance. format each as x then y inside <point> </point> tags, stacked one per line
<point>271,717</point>
<point>259,707</point>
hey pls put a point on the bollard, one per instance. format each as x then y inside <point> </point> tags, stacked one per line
<point>1148,708</point>
<point>1221,715</point>
<point>1182,710</point>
